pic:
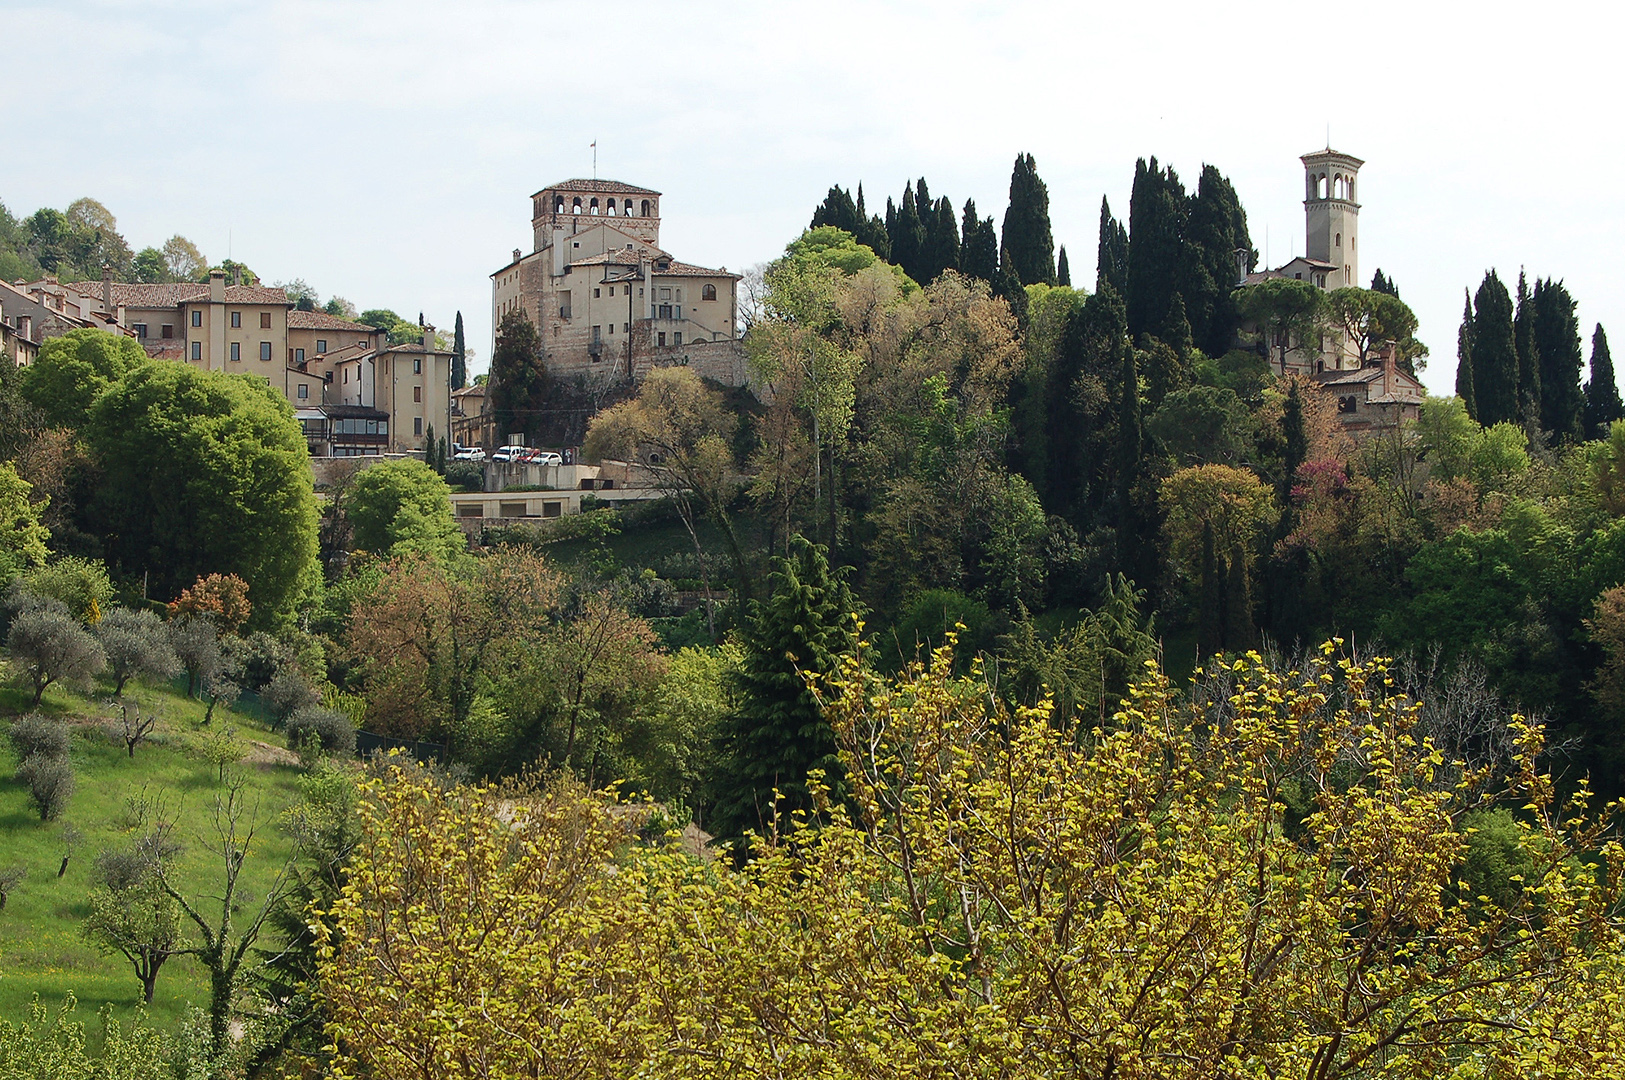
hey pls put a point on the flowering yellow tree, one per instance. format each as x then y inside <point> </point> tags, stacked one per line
<point>1267,880</point>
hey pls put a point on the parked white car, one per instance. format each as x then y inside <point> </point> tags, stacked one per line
<point>546,457</point>
<point>509,453</point>
<point>470,453</point>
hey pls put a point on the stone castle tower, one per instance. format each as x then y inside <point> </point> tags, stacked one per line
<point>1332,214</point>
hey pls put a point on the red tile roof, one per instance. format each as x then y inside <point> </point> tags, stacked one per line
<point>321,320</point>
<point>181,292</point>
<point>604,187</point>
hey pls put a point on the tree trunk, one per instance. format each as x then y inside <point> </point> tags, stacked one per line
<point>63,869</point>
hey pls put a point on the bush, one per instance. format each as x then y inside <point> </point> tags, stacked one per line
<point>465,476</point>
<point>287,693</point>
<point>35,734</point>
<point>314,730</point>
<point>81,584</point>
<point>53,647</point>
<point>49,781</point>
<point>137,646</point>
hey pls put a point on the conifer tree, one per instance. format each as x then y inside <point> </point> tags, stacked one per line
<point>1464,358</point>
<point>979,253</point>
<point>1026,225</point>
<point>1176,326</point>
<point>1063,272</point>
<point>1295,441</point>
<point>1156,250</point>
<point>924,206</point>
<point>1382,284</point>
<point>1495,354</point>
<point>1216,231</point>
<point>942,241</point>
<point>1523,342</point>
<point>778,732</point>
<point>517,374</point>
<point>1602,402</point>
<point>1556,340</point>
<point>1009,286</point>
<point>1131,542</point>
<point>1111,256</point>
<point>837,210</point>
<point>459,357</point>
<point>908,237</point>
<point>872,230</point>
<point>1210,603</point>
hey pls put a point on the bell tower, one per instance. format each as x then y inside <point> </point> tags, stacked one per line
<point>1332,214</point>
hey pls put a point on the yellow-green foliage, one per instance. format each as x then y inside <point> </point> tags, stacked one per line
<point>1008,897</point>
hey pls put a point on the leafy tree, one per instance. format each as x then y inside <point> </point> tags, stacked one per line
<point>667,746</point>
<point>132,915</point>
<point>72,370</point>
<point>287,693</point>
<point>401,507</point>
<point>22,537</point>
<point>204,473</point>
<point>1371,319</point>
<point>1290,313</point>
<point>1494,353</point>
<point>47,1043</point>
<point>1204,425</point>
<point>50,646</point>
<point>49,782</point>
<point>36,734</point>
<point>80,585</point>
<point>518,375</point>
<point>313,731</point>
<point>779,733</point>
<point>220,598</point>
<point>1111,253</point>
<point>150,267</point>
<point>1602,401</point>
<point>459,356</point>
<point>196,641</point>
<point>183,260</point>
<point>1026,232</point>
<point>1213,517</point>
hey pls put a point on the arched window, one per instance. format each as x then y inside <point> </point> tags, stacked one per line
<point>558,206</point>
<point>645,208</point>
<point>609,207</point>
<point>593,208</point>
<point>1320,186</point>
<point>709,292</point>
<point>626,208</point>
<point>1339,244</point>
<point>576,207</point>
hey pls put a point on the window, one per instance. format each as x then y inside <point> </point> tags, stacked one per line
<point>471,510</point>
<point>304,391</point>
<point>597,333</point>
<point>140,329</point>
<point>197,318</point>
<point>197,350</point>
<point>237,320</point>
<point>168,331</point>
<point>265,320</point>
<point>709,292</point>
<point>265,348</point>
<point>510,509</point>
<point>237,352</point>
<point>662,338</point>
<point>417,395</point>
<point>665,294</point>
<point>645,207</point>
<point>552,509</point>
<point>677,339</point>
<point>321,347</point>
<point>628,290</point>
<point>598,294</point>
<point>417,365</point>
<point>417,425</point>
<point>299,356</point>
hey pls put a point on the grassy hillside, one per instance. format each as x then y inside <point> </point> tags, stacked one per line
<point>42,949</point>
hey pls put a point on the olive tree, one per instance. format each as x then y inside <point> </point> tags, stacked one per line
<point>49,646</point>
<point>137,645</point>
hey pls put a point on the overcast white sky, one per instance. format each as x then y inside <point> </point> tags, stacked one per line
<point>385,151</point>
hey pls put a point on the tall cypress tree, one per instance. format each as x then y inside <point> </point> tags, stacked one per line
<point>1382,284</point>
<point>1556,346</point>
<point>778,733</point>
<point>941,241</point>
<point>1063,272</point>
<point>979,253</point>
<point>1464,357</point>
<point>837,210</point>
<point>1495,353</point>
<point>1027,234</point>
<point>872,230</point>
<point>1603,405</point>
<point>1156,250</point>
<point>1132,549</point>
<point>1523,343</point>
<point>459,357</point>
<point>924,206</point>
<point>1111,254</point>
<point>517,375</point>
<point>908,237</point>
<point>1009,286</point>
<point>1216,231</point>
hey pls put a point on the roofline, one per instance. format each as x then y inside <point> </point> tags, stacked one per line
<point>595,180</point>
<point>1329,154</point>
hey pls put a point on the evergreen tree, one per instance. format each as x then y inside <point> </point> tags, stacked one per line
<point>1603,405</point>
<point>1026,225</point>
<point>1382,284</point>
<point>1132,544</point>
<point>1495,354</point>
<point>872,230</point>
<point>1295,441</point>
<point>1009,286</point>
<point>518,375</point>
<point>1556,335</point>
<point>1464,357</point>
<point>1176,328</point>
<point>1063,272</point>
<point>778,733</point>
<point>908,237</point>
<point>1156,250</point>
<point>459,357</point>
<point>1523,342</point>
<point>1239,632</point>
<point>942,241</point>
<point>1216,231</point>
<point>979,253</point>
<point>837,210</point>
<point>1111,256</point>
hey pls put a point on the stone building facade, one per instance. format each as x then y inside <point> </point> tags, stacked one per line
<point>609,303</point>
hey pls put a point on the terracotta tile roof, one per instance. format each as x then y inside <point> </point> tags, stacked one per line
<point>682,269</point>
<point>603,187</point>
<point>417,347</point>
<point>181,292</point>
<point>321,320</point>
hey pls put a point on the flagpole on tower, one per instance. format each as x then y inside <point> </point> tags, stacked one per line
<point>595,159</point>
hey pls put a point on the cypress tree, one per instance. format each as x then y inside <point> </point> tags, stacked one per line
<point>837,210</point>
<point>517,374</point>
<point>1216,229</point>
<point>1556,339</point>
<point>1131,548</point>
<point>1239,632</point>
<point>1026,225</point>
<point>942,241</point>
<point>1523,342</point>
<point>1603,405</point>
<point>924,206</point>
<point>459,357</point>
<point>1177,328</point>
<point>1495,353</point>
<point>908,238</point>
<point>1111,255</point>
<point>1464,357</point>
<point>1156,250</point>
<point>979,253</point>
<point>1382,284</point>
<point>872,230</point>
<point>778,732</point>
<point>1063,272</point>
<point>1009,286</point>
<point>1295,450</point>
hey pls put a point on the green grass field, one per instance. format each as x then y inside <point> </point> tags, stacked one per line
<point>42,949</point>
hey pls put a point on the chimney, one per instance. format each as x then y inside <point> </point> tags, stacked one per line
<point>236,275</point>
<point>25,326</point>
<point>217,286</point>
<point>428,337</point>
<point>515,254</point>
<point>107,288</point>
<point>122,311</point>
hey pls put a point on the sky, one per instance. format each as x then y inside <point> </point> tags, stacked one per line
<point>385,150</point>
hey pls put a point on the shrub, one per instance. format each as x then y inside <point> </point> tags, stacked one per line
<point>35,734</point>
<point>49,781</point>
<point>314,730</point>
<point>137,645</point>
<point>81,584</point>
<point>52,647</point>
<point>287,693</point>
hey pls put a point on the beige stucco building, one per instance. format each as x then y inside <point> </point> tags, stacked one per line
<point>608,302</point>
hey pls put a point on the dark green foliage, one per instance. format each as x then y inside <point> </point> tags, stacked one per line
<point>1556,336</point>
<point>1009,287</point>
<point>926,623</point>
<point>1156,252</point>
<point>203,473</point>
<point>1383,284</point>
<point>1026,225</point>
<point>838,210</point>
<point>778,732</point>
<point>1088,668</point>
<point>871,230</point>
<point>1111,256</point>
<point>1495,355</point>
<point>459,356</point>
<point>1204,425</point>
<point>941,250</point>
<point>1082,404</point>
<point>908,237</point>
<point>1295,441</point>
<point>1217,231</point>
<point>1523,344</point>
<point>1063,272</point>
<point>979,247</point>
<point>1465,388</point>
<point>518,375</point>
<point>1602,402</point>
